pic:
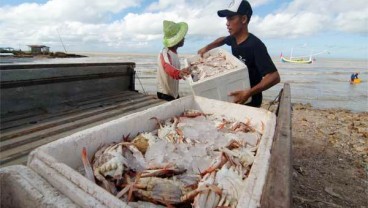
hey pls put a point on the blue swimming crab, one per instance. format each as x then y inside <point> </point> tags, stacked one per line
<point>160,190</point>
<point>109,163</point>
<point>169,131</point>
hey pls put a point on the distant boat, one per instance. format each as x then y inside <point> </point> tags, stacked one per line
<point>297,60</point>
<point>300,59</point>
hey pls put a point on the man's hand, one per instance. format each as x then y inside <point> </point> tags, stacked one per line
<point>216,43</point>
<point>240,96</point>
<point>202,51</point>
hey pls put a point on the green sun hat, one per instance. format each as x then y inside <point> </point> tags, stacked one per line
<point>174,33</point>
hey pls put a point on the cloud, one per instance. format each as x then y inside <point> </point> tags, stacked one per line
<point>346,16</point>
<point>90,11</point>
<point>256,3</point>
<point>289,25</point>
<point>130,24</point>
<point>353,22</point>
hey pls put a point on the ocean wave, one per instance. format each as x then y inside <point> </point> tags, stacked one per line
<point>299,81</point>
<point>298,73</point>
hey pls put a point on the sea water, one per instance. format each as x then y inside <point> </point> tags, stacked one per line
<point>324,83</point>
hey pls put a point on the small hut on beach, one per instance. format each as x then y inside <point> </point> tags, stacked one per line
<point>37,49</point>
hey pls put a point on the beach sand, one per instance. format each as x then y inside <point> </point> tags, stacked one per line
<point>329,157</point>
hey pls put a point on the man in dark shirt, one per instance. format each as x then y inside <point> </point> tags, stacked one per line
<point>249,49</point>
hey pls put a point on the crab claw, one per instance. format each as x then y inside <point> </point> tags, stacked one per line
<point>233,144</point>
<point>157,121</point>
<point>217,163</point>
<point>192,113</point>
<point>126,138</point>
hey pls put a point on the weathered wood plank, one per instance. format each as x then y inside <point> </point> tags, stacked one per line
<point>19,149</point>
<point>40,86</point>
<point>63,65</point>
<point>45,102</point>
<point>19,137</point>
<point>17,161</point>
<point>277,190</point>
<point>72,108</point>
<point>15,116</point>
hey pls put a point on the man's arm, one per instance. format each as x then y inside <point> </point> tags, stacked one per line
<point>216,43</point>
<point>268,81</point>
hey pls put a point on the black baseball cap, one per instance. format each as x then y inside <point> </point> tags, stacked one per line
<point>237,7</point>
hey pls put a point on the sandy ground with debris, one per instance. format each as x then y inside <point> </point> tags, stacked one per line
<point>329,157</point>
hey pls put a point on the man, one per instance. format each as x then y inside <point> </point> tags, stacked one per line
<point>249,49</point>
<point>352,78</point>
<point>169,73</point>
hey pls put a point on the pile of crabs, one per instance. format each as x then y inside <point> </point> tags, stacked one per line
<point>191,160</point>
<point>210,66</point>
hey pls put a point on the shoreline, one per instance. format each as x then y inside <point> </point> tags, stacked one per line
<point>308,105</point>
<point>42,55</point>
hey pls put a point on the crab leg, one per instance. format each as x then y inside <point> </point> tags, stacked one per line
<point>192,194</point>
<point>87,166</point>
<point>157,121</point>
<point>162,171</point>
<point>130,187</point>
<point>106,184</point>
<point>217,163</point>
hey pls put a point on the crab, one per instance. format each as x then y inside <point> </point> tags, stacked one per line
<point>229,180</point>
<point>170,131</point>
<point>242,156</point>
<point>159,190</point>
<point>237,126</point>
<point>210,195</point>
<point>109,162</point>
<point>210,66</point>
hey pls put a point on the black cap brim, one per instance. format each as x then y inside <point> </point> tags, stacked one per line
<point>226,13</point>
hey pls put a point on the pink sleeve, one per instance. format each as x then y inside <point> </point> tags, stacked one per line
<point>169,69</point>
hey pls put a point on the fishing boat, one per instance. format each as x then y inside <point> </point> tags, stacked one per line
<point>297,60</point>
<point>307,59</point>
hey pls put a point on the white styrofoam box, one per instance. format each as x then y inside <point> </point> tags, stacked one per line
<point>22,187</point>
<point>59,160</point>
<point>219,86</point>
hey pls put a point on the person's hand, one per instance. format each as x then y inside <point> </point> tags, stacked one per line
<point>240,96</point>
<point>202,51</point>
<point>185,72</point>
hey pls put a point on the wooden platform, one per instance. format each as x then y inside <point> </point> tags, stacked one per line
<point>277,190</point>
<point>41,103</point>
<point>22,132</point>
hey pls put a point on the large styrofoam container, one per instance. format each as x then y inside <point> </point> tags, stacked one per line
<point>22,187</point>
<point>219,86</point>
<point>59,160</point>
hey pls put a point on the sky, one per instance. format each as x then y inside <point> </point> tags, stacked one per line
<point>337,27</point>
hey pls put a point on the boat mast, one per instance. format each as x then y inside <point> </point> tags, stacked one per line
<point>291,53</point>
<point>61,40</point>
